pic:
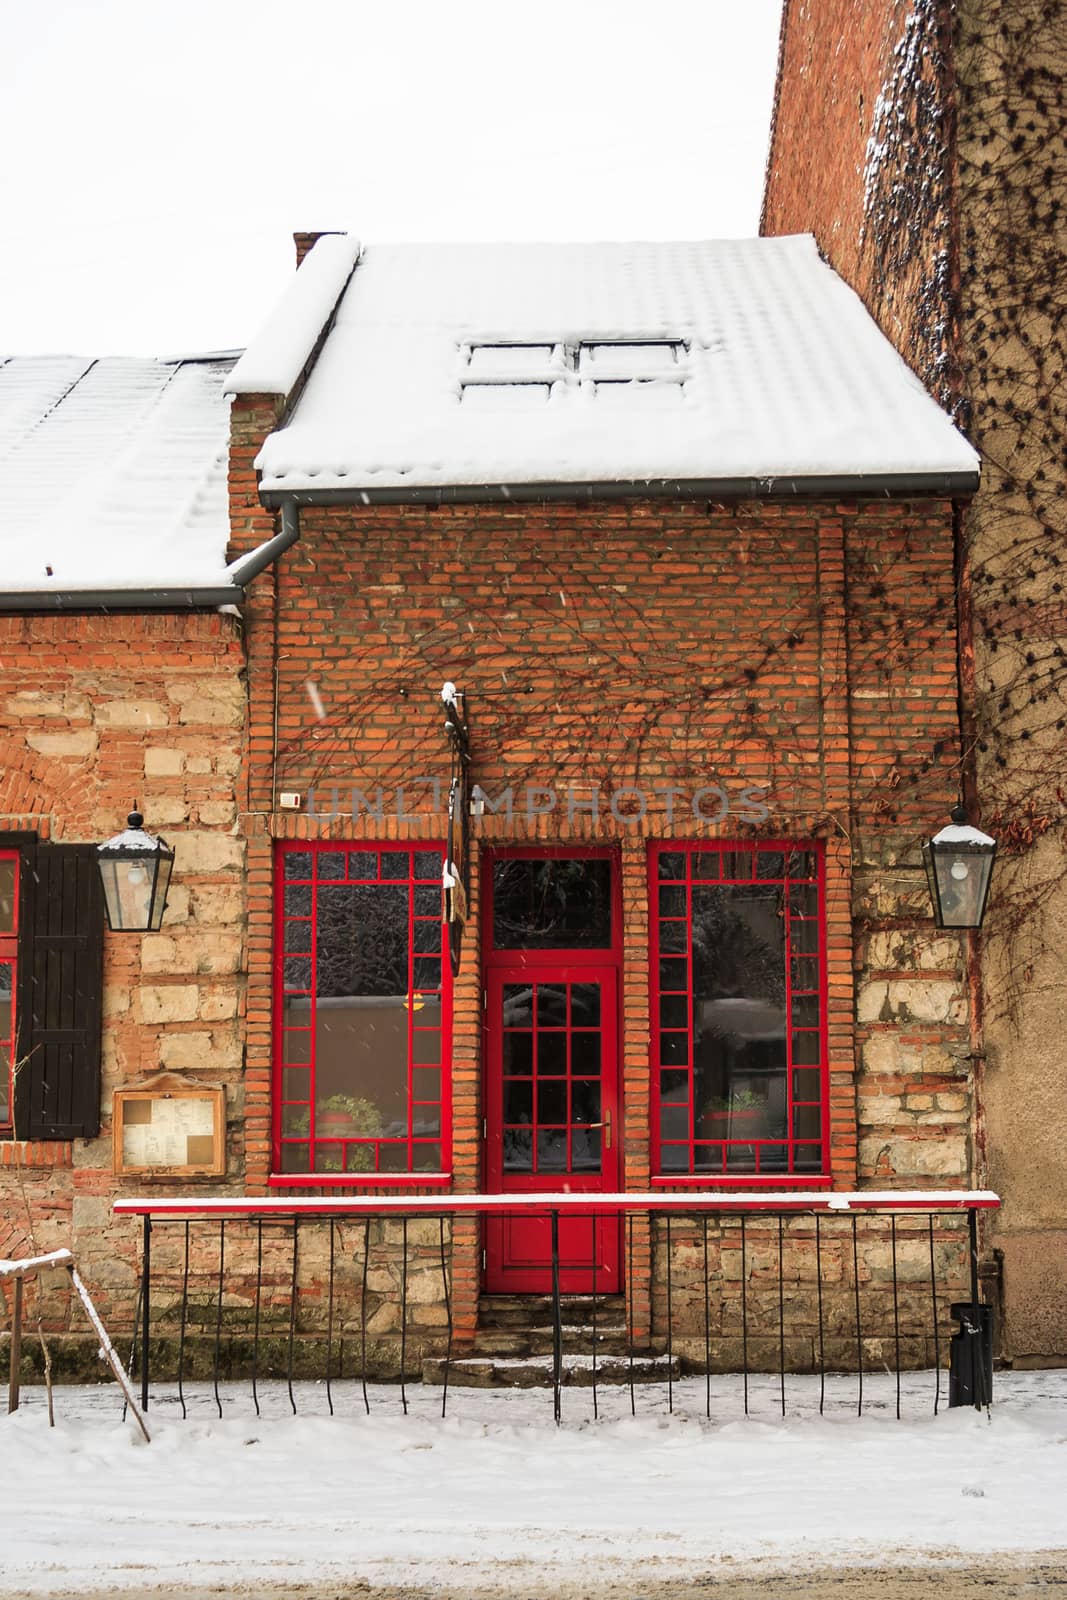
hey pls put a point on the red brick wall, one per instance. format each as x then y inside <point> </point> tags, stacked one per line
<point>805,649</point>
<point>863,156</point>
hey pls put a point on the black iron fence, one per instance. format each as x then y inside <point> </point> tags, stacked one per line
<point>358,1290</point>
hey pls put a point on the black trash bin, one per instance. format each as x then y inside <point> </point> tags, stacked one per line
<point>970,1373</point>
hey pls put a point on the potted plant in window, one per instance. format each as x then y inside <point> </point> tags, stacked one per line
<point>732,1116</point>
<point>346,1116</point>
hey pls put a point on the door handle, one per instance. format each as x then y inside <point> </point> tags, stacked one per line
<point>606,1125</point>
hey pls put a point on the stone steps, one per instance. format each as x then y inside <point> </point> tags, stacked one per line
<point>513,1347</point>
<point>535,1372</point>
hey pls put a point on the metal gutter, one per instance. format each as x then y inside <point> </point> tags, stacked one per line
<point>192,598</point>
<point>950,485</point>
<point>121,599</point>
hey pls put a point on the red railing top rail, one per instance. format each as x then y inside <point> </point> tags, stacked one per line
<point>458,1204</point>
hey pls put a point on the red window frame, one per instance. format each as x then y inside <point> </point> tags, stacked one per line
<point>9,952</point>
<point>741,862</point>
<point>418,961</point>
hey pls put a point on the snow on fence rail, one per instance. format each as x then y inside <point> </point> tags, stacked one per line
<point>362,1287</point>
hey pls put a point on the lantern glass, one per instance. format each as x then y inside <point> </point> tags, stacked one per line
<point>135,871</point>
<point>959,865</point>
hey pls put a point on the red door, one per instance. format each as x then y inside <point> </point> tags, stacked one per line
<point>552,1123</point>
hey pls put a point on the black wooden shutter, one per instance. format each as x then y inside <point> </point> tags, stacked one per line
<point>57,1088</point>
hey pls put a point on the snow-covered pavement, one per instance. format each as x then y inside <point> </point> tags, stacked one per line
<point>496,1492</point>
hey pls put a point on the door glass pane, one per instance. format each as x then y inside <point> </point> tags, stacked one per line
<point>518,1149</point>
<point>551,1006</point>
<point>7,894</point>
<point>552,1102</point>
<point>552,1150</point>
<point>552,903</point>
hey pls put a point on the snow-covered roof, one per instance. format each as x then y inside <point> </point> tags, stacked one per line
<point>112,473</point>
<point>510,365</point>
<point>278,354</point>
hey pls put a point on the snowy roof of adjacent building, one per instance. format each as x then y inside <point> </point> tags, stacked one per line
<point>113,473</point>
<point>510,365</point>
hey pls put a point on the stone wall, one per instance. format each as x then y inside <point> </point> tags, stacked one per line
<point>95,713</point>
<point>926,147</point>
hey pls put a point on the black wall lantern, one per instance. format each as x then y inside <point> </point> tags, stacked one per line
<point>135,870</point>
<point>959,865</point>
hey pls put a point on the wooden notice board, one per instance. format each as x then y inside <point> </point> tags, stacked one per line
<point>170,1128</point>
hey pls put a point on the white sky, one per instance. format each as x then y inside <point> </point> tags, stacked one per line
<point>158,154</point>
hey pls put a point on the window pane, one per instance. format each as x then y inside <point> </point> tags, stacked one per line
<point>426,1083</point>
<point>296,864</point>
<point>807,1123</point>
<point>427,1158</point>
<point>553,903</point>
<point>674,1087</point>
<point>427,901</point>
<point>674,1011</point>
<point>671,864</point>
<point>296,972</point>
<point>806,1049</point>
<point>770,864</point>
<point>296,1120</point>
<point>807,1084</point>
<point>297,900</point>
<point>6,982</point>
<point>296,1042</point>
<point>674,1122</point>
<point>425,1046</point>
<point>674,1158</point>
<point>674,1049</point>
<point>427,936</point>
<point>331,864</point>
<point>674,938</point>
<point>395,863</point>
<point>392,1158</point>
<point>361,1011</point>
<point>297,936</point>
<point>803,936</point>
<point>672,901</point>
<point>739,1015</point>
<point>296,1084</point>
<point>362,864</point>
<point>429,864</point>
<point>295,1157</point>
<point>7,894</point>
<point>673,974</point>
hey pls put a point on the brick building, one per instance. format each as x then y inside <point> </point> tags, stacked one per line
<point>121,683</point>
<point>925,146</point>
<point>677,527</point>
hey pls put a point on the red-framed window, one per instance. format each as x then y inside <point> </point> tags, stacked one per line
<point>9,936</point>
<point>738,991</point>
<point>362,1012</point>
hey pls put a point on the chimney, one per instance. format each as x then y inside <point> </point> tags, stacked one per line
<point>304,241</point>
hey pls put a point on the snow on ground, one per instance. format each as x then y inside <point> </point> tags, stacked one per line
<point>497,1491</point>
